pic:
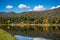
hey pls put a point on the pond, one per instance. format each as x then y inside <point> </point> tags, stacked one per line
<point>29,38</point>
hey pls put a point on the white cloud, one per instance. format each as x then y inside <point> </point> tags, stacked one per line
<point>9,6</point>
<point>58,6</point>
<point>30,10</point>
<point>38,39</point>
<point>39,8</point>
<point>23,6</point>
<point>53,7</point>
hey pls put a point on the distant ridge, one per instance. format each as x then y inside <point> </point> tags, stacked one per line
<point>46,13</point>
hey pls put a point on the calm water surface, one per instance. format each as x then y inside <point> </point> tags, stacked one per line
<point>28,38</point>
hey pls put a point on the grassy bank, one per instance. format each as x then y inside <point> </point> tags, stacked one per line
<point>6,36</point>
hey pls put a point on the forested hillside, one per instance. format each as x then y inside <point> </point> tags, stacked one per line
<point>31,17</point>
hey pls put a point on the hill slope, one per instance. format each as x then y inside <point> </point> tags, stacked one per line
<point>5,36</point>
<point>46,13</point>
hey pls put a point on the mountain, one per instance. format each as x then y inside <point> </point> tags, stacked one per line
<point>2,13</point>
<point>46,13</point>
<point>7,14</point>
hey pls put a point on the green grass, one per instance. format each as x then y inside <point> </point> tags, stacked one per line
<point>6,36</point>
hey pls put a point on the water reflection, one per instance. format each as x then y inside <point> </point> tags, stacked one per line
<point>52,32</point>
<point>28,38</point>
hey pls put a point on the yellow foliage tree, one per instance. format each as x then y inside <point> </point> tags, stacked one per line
<point>8,27</point>
<point>45,22</point>
<point>8,21</point>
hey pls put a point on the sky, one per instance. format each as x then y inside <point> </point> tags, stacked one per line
<point>29,38</point>
<point>28,5</point>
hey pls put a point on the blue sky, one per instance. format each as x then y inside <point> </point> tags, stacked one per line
<point>28,38</point>
<point>27,5</point>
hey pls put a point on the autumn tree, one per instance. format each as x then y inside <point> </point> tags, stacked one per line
<point>36,21</point>
<point>8,21</point>
<point>45,23</point>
